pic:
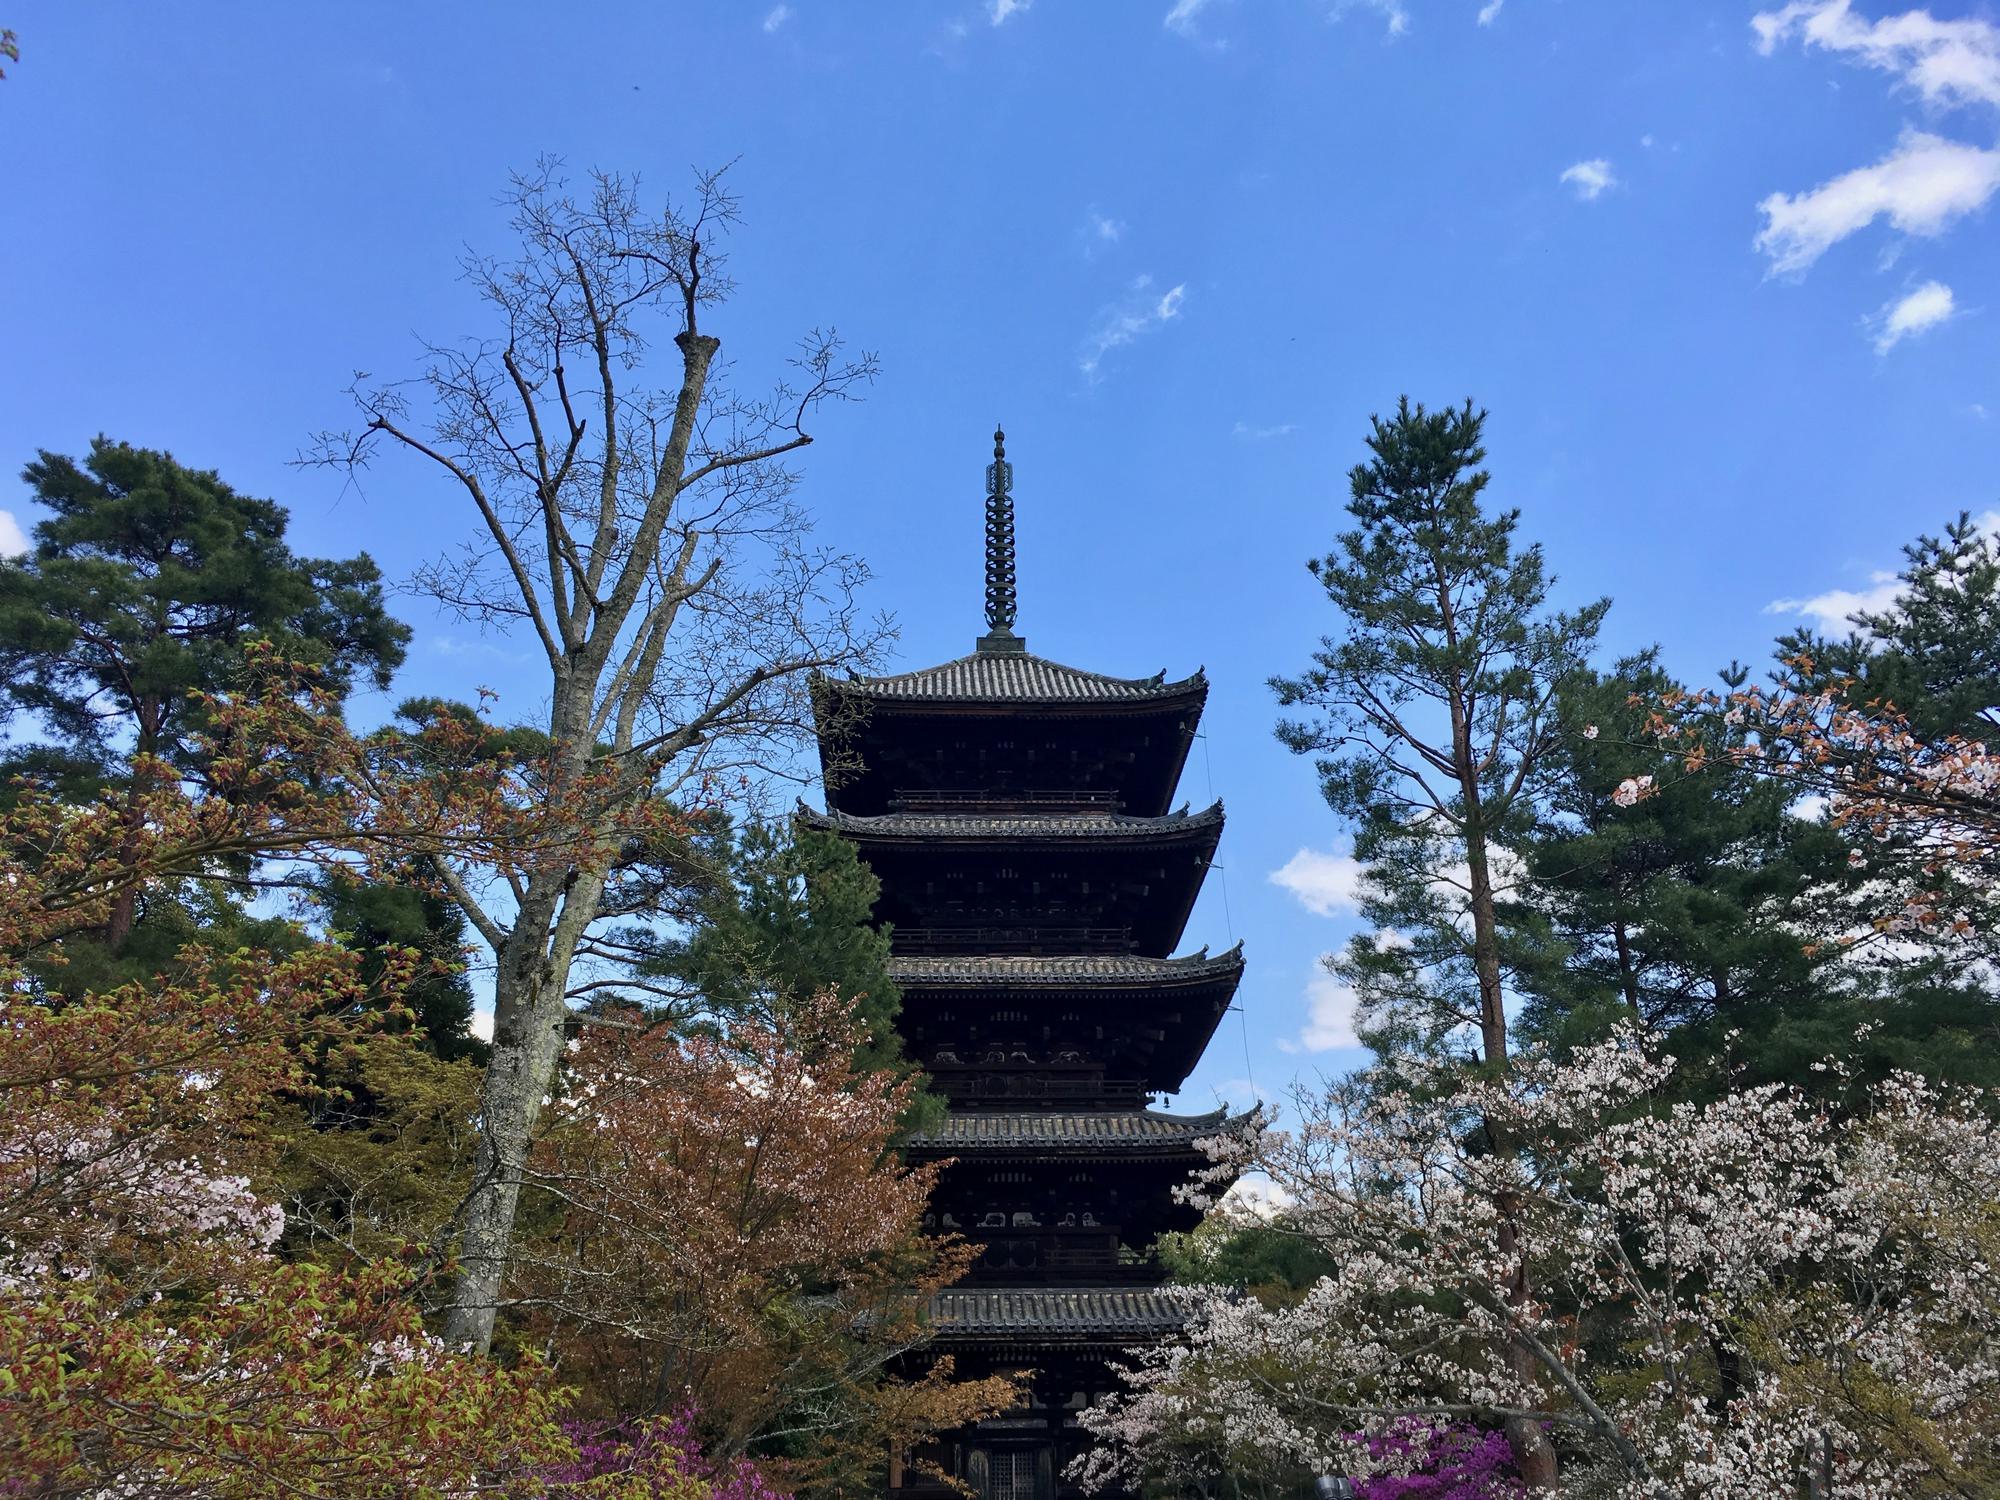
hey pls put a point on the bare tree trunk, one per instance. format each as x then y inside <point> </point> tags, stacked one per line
<point>529,1015</point>
<point>619,525</point>
<point>1485,945</point>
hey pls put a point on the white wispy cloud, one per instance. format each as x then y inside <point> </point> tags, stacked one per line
<point>1490,11</point>
<point>1251,434</point>
<point>1832,610</point>
<point>1918,312</point>
<point>1001,11</point>
<point>1140,312</point>
<point>1928,182</point>
<point>1922,187</point>
<point>1326,882</point>
<point>1182,17</point>
<point>1100,232</point>
<point>1330,1007</point>
<point>1395,16</point>
<point>776,17</point>
<point>13,538</point>
<point>1591,179</point>
<point>1945,61</point>
<point>454,646</point>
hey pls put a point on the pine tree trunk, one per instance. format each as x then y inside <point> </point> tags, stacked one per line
<point>1534,1457</point>
<point>1628,980</point>
<point>125,901</point>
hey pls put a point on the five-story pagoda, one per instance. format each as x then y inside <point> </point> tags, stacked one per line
<point>1017,813</point>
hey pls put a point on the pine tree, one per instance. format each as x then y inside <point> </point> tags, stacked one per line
<point>144,586</point>
<point>141,592</point>
<point>1934,653</point>
<point>1693,910</point>
<point>1436,717</point>
<point>791,916</point>
<point>371,916</point>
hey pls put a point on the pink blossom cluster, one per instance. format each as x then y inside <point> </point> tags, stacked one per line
<point>74,1196</point>
<point>656,1458</point>
<point>1459,1462</point>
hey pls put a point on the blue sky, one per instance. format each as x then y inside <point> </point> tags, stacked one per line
<point>1724,274</point>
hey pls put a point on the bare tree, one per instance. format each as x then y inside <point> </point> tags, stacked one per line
<point>648,539</point>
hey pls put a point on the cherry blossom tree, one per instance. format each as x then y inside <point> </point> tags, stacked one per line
<point>1730,1295</point>
<point>1922,810</point>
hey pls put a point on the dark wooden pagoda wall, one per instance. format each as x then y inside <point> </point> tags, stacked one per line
<point>942,800</point>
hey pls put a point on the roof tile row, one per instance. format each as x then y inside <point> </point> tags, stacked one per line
<point>1016,677</point>
<point>1060,970</point>
<point>1134,1312</point>
<point>1028,825</point>
<point>1078,1129</point>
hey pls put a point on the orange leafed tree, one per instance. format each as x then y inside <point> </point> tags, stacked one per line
<point>722,1225</point>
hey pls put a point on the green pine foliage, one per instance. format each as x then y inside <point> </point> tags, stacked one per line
<point>371,916</point>
<point>1711,912</point>
<point>789,913</point>
<point>1434,715</point>
<point>1934,655</point>
<point>143,587</point>
<point>1683,910</point>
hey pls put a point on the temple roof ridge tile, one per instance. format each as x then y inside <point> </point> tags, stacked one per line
<point>1018,677</point>
<point>1079,1129</point>
<point>1015,825</point>
<point>1060,1312</point>
<point>1062,968</point>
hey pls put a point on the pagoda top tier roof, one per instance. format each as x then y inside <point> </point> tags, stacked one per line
<point>1044,1316</point>
<point>1091,1131</point>
<point>1019,679</point>
<point>1090,827</point>
<point>1063,971</point>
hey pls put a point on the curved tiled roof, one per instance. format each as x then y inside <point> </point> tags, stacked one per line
<point>1017,677</point>
<point>1088,826</point>
<point>1024,1315</point>
<point>1062,971</point>
<point>1080,1130</point>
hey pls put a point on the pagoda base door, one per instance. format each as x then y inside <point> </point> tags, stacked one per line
<point>1013,1473</point>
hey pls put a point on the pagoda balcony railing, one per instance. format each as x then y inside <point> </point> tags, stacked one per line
<point>970,1084</point>
<point>1014,940</point>
<point>1029,799</point>
<point>1031,1261</point>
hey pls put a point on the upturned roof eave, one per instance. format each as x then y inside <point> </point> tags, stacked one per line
<point>1045,972</point>
<point>977,828</point>
<point>955,684</point>
<point>1052,1318</point>
<point>1157,1135</point>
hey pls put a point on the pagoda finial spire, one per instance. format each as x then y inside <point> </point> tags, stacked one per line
<point>1000,552</point>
